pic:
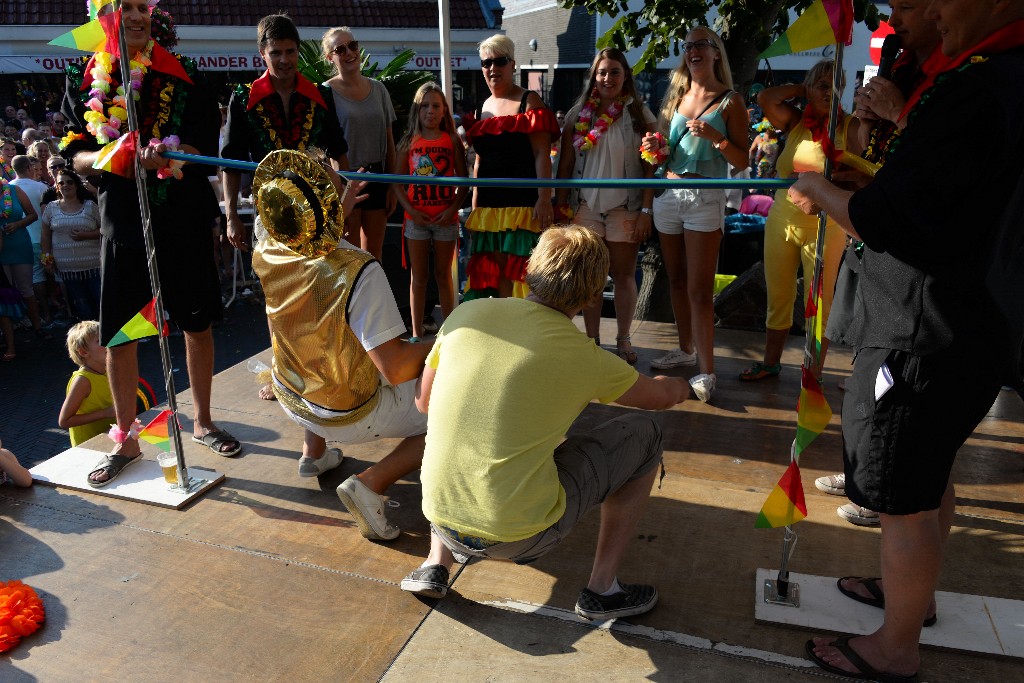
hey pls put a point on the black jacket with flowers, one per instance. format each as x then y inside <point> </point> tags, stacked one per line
<point>167,105</point>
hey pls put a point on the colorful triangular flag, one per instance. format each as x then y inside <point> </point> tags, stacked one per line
<point>88,37</point>
<point>823,23</point>
<point>813,412</point>
<point>118,156</point>
<point>156,432</point>
<point>785,504</point>
<point>142,324</point>
<point>96,5</point>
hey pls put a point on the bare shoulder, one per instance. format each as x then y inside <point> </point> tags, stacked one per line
<point>533,101</point>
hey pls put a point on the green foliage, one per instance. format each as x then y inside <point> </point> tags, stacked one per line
<point>400,83</point>
<point>746,26</point>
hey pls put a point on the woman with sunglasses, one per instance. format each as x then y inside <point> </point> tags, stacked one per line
<point>366,115</point>
<point>512,139</point>
<point>790,236</point>
<point>71,243</point>
<point>603,149</point>
<point>707,123</point>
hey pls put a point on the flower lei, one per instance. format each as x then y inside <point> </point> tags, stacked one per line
<point>106,125</point>
<point>21,613</point>
<point>68,139</point>
<point>588,131</point>
<point>173,168</point>
<point>6,172</point>
<point>658,156</point>
<point>7,200</point>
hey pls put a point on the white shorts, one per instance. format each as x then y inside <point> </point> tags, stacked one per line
<point>617,225</point>
<point>683,208</point>
<point>394,417</point>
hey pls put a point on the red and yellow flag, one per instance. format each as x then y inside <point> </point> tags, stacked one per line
<point>823,23</point>
<point>118,156</point>
<point>142,324</point>
<point>785,504</point>
<point>156,431</point>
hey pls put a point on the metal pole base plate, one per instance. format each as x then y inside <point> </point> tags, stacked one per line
<point>194,485</point>
<point>772,597</point>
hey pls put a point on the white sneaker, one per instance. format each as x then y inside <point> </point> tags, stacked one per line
<point>861,516</point>
<point>367,509</point>
<point>314,467</point>
<point>832,483</point>
<point>703,385</point>
<point>676,358</point>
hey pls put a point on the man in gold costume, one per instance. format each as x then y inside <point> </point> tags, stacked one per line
<point>340,368</point>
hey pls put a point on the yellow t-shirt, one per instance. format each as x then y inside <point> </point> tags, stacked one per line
<point>99,398</point>
<point>512,376</point>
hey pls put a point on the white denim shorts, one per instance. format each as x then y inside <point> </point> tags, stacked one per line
<point>394,417</point>
<point>679,209</point>
<point>617,225</point>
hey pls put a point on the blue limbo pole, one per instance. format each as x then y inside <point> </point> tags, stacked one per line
<point>691,183</point>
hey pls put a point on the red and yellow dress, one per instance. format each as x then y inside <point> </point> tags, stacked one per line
<point>502,222</point>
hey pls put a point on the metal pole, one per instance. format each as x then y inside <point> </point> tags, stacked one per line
<point>444,26</point>
<point>147,231</point>
<point>781,591</point>
<point>810,348</point>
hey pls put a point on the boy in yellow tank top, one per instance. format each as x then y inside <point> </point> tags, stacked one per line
<point>88,407</point>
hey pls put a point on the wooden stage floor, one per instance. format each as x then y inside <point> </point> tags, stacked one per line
<point>266,578</point>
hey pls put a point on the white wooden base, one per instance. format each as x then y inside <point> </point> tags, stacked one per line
<point>142,481</point>
<point>968,623</point>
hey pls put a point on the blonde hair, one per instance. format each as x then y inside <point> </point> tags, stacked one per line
<point>568,267</point>
<point>325,43</point>
<point>498,45</point>
<point>681,76</point>
<point>78,339</point>
<point>819,70</point>
<point>413,129</point>
<point>33,150</point>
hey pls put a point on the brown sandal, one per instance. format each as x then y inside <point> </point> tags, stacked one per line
<point>628,355</point>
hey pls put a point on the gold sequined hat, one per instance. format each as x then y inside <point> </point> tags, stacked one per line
<point>297,202</point>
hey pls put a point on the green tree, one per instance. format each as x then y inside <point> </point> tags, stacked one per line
<point>747,27</point>
<point>400,83</point>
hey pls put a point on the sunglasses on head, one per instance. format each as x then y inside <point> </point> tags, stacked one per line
<point>343,48</point>
<point>496,61</point>
<point>697,45</point>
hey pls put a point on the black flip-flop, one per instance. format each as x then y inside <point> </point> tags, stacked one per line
<point>113,464</point>
<point>877,598</point>
<point>215,439</point>
<point>864,672</point>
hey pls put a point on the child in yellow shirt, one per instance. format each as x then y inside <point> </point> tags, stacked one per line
<point>88,408</point>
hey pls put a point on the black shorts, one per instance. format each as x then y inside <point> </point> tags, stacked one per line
<point>898,451</point>
<point>377,201</point>
<point>188,280</point>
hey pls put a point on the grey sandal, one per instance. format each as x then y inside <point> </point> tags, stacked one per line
<point>113,464</point>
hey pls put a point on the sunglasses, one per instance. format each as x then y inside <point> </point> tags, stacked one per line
<point>497,61</point>
<point>697,45</point>
<point>343,48</point>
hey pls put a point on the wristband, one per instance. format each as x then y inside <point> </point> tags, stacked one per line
<point>722,144</point>
<point>46,259</point>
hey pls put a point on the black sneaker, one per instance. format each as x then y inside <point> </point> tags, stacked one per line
<point>430,581</point>
<point>632,599</point>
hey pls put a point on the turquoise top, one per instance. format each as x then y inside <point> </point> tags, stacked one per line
<point>697,155</point>
<point>17,246</point>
